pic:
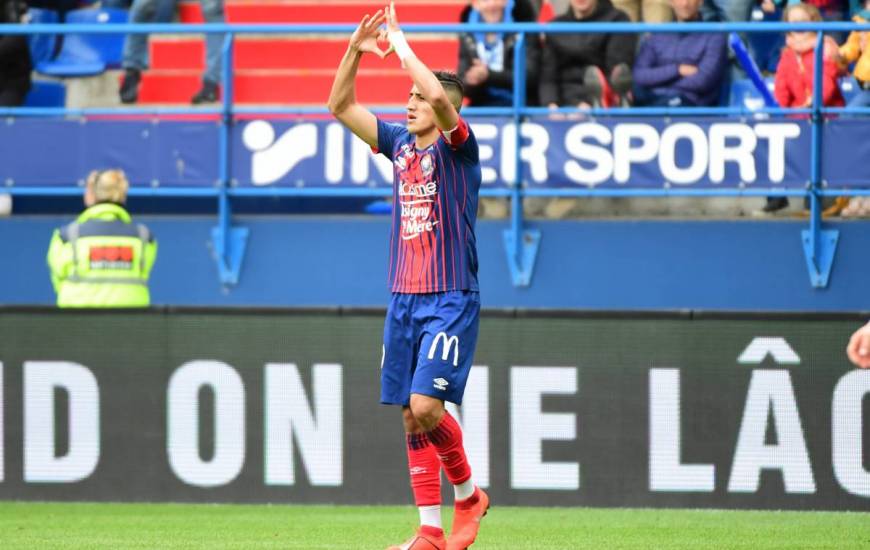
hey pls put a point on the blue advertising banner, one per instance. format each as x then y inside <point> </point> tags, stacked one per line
<point>152,151</point>
<point>652,153</point>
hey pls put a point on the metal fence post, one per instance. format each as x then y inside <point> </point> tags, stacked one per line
<point>228,242</point>
<point>820,245</point>
<point>521,245</point>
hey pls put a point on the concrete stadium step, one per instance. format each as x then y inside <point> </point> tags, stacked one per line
<point>292,53</point>
<point>309,11</point>
<point>278,86</point>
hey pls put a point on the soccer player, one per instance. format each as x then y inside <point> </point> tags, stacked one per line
<point>431,326</point>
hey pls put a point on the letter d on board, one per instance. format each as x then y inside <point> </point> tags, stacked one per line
<point>40,463</point>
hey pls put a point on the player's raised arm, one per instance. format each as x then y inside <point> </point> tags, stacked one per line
<point>342,99</point>
<point>446,116</point>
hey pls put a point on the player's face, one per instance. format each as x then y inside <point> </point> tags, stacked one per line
<point>421,117</point>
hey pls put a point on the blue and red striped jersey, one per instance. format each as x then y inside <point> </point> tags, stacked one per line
<point>432,245</point>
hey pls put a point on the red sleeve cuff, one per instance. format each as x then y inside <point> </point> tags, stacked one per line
<point>457,136</point>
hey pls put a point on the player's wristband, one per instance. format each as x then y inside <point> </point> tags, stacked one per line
<point>400,45</point>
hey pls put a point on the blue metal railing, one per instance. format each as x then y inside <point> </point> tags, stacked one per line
<point>520,244</point>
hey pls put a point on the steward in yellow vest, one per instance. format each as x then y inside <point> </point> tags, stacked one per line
<point>102,259</point>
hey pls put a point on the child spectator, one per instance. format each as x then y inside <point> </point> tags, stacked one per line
<point>793,85</point>
<point>857,50</point>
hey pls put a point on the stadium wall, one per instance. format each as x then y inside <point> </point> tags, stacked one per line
<point>660,410</point>
<point>602,265</point>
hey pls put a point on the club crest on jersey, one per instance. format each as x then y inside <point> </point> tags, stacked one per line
<point>426,165</point>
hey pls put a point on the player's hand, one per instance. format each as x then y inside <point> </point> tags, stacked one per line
<point>365,37</point>
<point>858,349</point>
<point>392,20</point>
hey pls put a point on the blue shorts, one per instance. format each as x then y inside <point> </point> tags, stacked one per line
<point>429,342</point>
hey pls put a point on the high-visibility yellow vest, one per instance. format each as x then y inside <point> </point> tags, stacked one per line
<point>102,260</point>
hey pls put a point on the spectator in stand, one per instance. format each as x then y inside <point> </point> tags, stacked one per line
<point>15,63</point>
<point>486,59</point>
<point>857,50</point>
<point>586,70</point>
<point>648,11</point>
<point>681,69</point>
<point>136,50</point>
<point>729,11</point>
<point>793,85</point>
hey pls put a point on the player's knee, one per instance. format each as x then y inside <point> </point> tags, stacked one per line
<point>427,411</point>
<point>410,423</point>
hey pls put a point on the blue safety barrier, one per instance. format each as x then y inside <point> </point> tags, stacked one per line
<point>521,244</point>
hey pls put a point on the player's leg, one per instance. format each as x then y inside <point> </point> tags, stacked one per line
<point>397,369</point>
<point>443,364</point>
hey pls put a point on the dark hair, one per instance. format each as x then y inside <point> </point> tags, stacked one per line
<point>452,85</point>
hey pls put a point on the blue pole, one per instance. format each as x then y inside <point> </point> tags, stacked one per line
<point>224,152</point>
<point>519,102</point>
<point>816,154</point>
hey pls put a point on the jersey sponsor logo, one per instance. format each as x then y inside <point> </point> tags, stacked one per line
<point>417,192</point>
<point>440,384</point>
<point>449,343</point>
<point>111,257</point>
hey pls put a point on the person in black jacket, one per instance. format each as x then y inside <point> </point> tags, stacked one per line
<point>486,60</point>
<point>588,69</point>
<point>15,63</point>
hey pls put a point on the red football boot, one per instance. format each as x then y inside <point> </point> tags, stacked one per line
<point>466,520</point>
<point>426,538</point>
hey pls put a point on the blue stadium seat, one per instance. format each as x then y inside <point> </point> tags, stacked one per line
<point>88,54</point>
<point>41,46</point>
<point>745,94</point>
<point>45,93</point>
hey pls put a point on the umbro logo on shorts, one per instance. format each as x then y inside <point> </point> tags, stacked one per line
<point>441,384</point>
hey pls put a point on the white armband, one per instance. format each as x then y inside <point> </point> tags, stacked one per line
<point>400,45</point>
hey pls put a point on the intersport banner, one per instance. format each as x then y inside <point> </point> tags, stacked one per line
<point>560,410</point>
<point>606,153</point>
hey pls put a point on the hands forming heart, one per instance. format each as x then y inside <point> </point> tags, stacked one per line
<point>371,38</point>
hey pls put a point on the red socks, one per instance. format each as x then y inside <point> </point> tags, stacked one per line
<point>425,470</point>
<point>446,437</point>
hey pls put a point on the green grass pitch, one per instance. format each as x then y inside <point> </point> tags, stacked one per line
<point>188,526</point>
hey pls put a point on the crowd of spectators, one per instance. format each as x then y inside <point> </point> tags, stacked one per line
<point>662,69</point>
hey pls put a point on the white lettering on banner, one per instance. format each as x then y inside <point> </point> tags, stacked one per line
<point>666,472</point>
<point>317,429</point>
<point>449,342</point>
<point>485,151</point>
<point>624,137</point>
<point>770,395</point>
<point>847,432</point>
<point>333,171</point>
<point>778,349</point>
<point>182,438</point>
<point>41,464</point>
<point>590,143</point>
<point>598,156</point>
<point>776,136</point>
<point>534,153</point>
<point>473,417</point>
<point>361,160</point>
<point>742,153</point>
<point>596,152</point>
<point>271,160</point>
<point>530,427</point>
<point>668,153</point>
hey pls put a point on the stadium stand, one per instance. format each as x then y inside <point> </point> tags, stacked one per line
<point>295,70</point>
<point>87,54</point>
